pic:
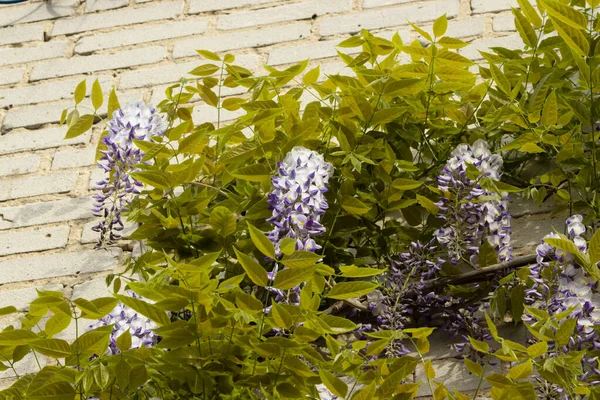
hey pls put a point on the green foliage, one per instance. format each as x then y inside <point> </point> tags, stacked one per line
<point>387,127</point>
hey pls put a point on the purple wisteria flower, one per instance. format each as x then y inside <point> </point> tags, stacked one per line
<point>297,202</point>
<point>126,319</point>
<point>298,198</point>
<point>471,213</point>
<point>562,285</point>
<point>135,121</point>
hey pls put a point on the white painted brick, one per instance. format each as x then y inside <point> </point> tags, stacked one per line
<point>10,76</point>
<point>12,242</point>
<point>504,23</point>
<point>101,5</point>
<point>466,27</point>
<point>28,140</point>
<point>99,62</point>
<point>20,298</point>
<point>381,3</point>
<point>24,164</point>
<point>483,6</point>
<point>198,6</point>
<point>89,236</point>
<point>21,34</point>
<point>54,265</point>
<point>47,91</point>
<point>72,158</point>
<point>171,73</point>
<point>37,185</point>
<point>95,176</point>
<point>110,19</point>
<point>388,17</point>
<point>303,51</point>
<point>245,39</point>
<point>18,55</point>
<point>288,12</point>
<point>31,12</point>
<point>205,113</point>
<point>27,365</point>
<point>45,213</point>
<point>92,289</point>
<point>145,34</point>
<point>510,42</point>
<point>34,116</point>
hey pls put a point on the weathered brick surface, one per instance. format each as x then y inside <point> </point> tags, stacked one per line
<point>240,40</point>
<point>15,188</point>
<point>19,55</point>
<point>25,241</point>
<point>26,140</point>
<point>110,19</point>
<point>46,212</point>
<point>144,34</point>
<point>53,265</point>
<point>21,34</point>
<point>21,164</point>
<point>22,13</point>
<point>141,46</point>
<point>100,62</point>
<point>287,12</point>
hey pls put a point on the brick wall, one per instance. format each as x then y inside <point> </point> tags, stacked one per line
<point>140,47</point>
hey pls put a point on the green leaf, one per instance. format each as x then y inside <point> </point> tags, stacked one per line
<point>55,348</point>
<point>253,173</point>
<point>348,290</point>
<point>354,206</point>
<point>367,393</point>
<point>452,43</point>
<point>530,13</point>
<point>223,220</point>
<point>17,337</point>
<point>113,103</point>
<point>288,278</point>
<point>487,255</point>
<point>79,93</point>
<point>124,341</point>
<point>478,345</point>
<point>288,246</point>
<point>406,184</point>
<point>525,29</point>
<point>300,259</point>
<point>572,37</point>
<point>352,41</point>
<point>565,244</point>
<point>93,342</point>
<point>537,349</point>
<point>333,383</point>
<point>594,248</point>
<point>386,115</point>
<point>312,76</point>
<point>204,70</point>
<point>352,271</point>
<point>83,124</point>
<point>281,316</point>
<point>7,310</point>
<point>233,103</point>
<point>531,148</point>
<point>440,26</point>
<point>499,381</point>
<point>152,178</point>
<point>427,204</point>
<point>473,367</point>
<point>254,270</point>
<point>209,55</point>
<point>261,241</point>
<point>521,371</point>
<point>550,112</point>
<point>567,15</point>
<point>565,331</point>
<point>501,79</point>
<point>97,96</point>
<point>60,390</point>
<point>146,309</point>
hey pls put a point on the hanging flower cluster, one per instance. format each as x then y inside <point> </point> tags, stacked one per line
<point>127,320</point>
<point>571,288</point>
<point>135,121</point>
<point>469,217</point>
<point>298,198</point>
